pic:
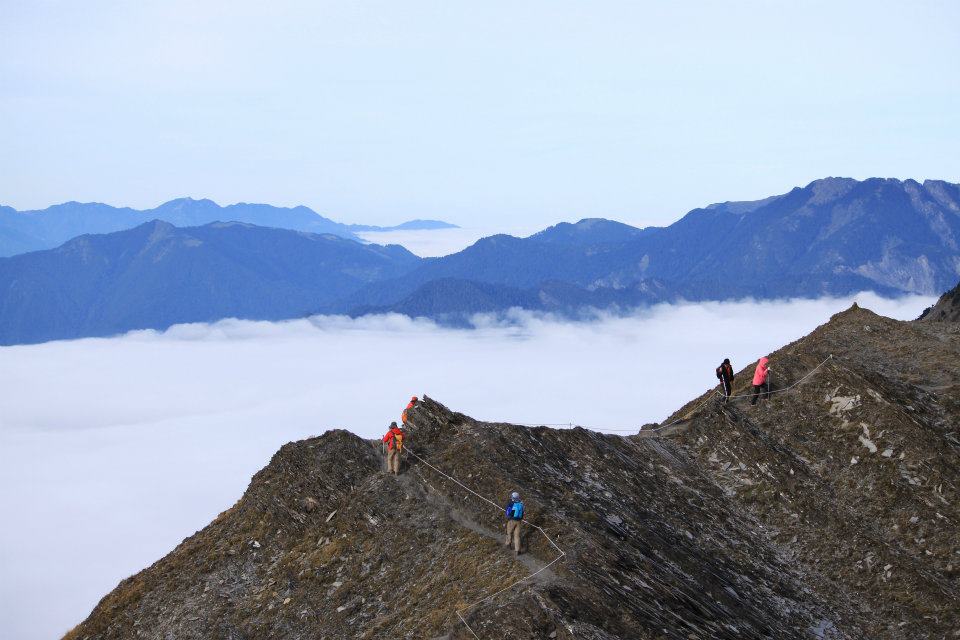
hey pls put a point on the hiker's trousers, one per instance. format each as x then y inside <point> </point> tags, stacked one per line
<point>513,535</point>
<point>726,387</point>
<point>393,460</point>
<point>760,391</point>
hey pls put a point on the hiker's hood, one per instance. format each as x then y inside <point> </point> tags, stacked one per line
<point>760,375</point>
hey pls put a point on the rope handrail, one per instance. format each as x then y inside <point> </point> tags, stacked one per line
<point>787,388</point>
<point>462,611</point>
<point>678,420</point>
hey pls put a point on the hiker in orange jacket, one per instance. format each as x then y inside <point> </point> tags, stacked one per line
<point>761,381</point>
<point>394,441</point>
<point>410,405</point>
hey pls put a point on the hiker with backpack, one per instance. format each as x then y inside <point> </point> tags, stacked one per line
<point>725,376</point>
<point>410,405</point>
<point>394,442</point>
<point>514,513</point>
<point>761,381</point>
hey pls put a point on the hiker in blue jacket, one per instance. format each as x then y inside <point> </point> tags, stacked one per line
<point>514,513</point>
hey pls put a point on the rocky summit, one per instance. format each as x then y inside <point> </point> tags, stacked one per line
<point>828,510</point>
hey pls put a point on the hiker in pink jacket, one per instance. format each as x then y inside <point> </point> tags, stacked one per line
<point>761,380</point>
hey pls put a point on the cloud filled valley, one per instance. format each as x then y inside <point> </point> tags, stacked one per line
<point>133,443</point>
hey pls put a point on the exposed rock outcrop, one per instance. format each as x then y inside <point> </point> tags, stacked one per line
<point>855,471</point>
<point>947,308</point>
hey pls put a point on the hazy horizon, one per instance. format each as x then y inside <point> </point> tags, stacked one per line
<point>332,215</point>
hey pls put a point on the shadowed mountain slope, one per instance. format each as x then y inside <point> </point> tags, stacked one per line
<point>787,520</point>
<point>947,308</point>
<point>157,275</point>
<point>454,301</point>
<point>835,236</point>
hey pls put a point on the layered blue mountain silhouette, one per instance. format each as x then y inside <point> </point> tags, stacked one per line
<point>835,236</point>
<point>22,231</point>
<point>156,275</point>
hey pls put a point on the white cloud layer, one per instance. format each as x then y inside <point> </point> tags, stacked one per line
<point>113,450</point>
<point>431,243</point>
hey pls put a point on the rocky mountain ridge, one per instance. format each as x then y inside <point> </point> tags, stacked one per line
<point>827,511</point>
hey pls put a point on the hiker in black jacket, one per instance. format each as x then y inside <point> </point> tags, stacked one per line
<point>725,376</point>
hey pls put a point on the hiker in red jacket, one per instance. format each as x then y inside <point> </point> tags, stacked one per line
<point>410,405</point>
<point>394,440</point>
<point>761,381</point>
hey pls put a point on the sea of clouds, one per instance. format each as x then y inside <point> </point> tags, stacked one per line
<point>113,450</point>
<point>430,243</point>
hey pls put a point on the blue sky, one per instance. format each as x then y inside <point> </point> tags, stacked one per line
<point>492,114</point>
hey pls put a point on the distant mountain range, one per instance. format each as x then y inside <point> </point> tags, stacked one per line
<point>156,275</point>
<point>835,236</point>
<point>23,231</point>
<point>410,225</point>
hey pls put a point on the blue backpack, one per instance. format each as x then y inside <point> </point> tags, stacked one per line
<point>515,511</point>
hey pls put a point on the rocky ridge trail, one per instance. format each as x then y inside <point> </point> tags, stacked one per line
<point>786,520</point>
<point>855,472</point>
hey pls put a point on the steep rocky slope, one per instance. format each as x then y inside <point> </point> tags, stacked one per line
<point>854,472</point>
<point>828,511</point>
<point>947,308</point>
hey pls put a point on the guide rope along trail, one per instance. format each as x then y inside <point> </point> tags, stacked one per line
<point>461,613</point>
<point>684,418</point>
